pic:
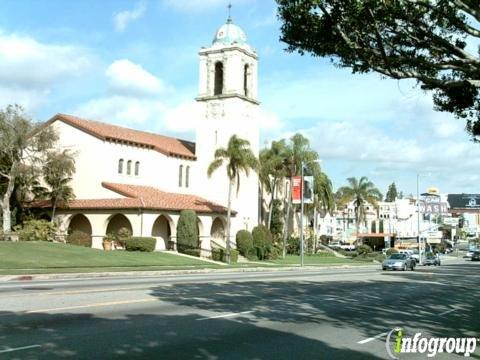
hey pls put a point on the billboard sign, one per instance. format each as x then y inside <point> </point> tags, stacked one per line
<point>296,189</point>
<point>430,207</point>
<point>464,201</point>
<point>307,189</point>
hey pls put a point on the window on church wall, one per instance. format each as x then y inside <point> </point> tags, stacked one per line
<point>187,176</point>
<point>137,168</point>
<point>245,80</point>
<point>129,167</point>
<point>180,174</point>
<point>218,88</point>
<point>120,166</point>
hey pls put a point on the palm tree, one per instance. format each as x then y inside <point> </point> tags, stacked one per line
<point>360,192</point>
<point>298,152</point>
<point>272,171</point>
<point>238,157</point>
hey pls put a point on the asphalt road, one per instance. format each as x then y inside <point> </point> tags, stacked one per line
<point>321,314</point>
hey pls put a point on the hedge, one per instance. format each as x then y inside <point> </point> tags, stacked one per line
<point>219,254</point>
<point>140,244</point>
<point>244,241</point>
<point>79,238</point>
<point>36,230</point>
<point>187,231</point>
<point>192,252</point>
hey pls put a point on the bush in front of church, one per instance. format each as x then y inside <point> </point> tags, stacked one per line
<point>187,231</point>
<point>138,243</point>
<point>262,242</point>
<point>36,230</point>
<point>79,238</point>
<point>244,242</point>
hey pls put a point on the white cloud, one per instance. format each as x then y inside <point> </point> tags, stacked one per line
<point>29,68</point>
<point>127,78</point>
<point>122,110</point>
<point>123,18</point>
<point>184,117</point>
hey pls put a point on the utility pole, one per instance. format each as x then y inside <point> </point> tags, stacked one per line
<point>301,218</point>
<point>418,221</point>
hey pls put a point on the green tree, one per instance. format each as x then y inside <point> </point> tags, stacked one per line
<point>57,172</point>
<point>425,40</point>
<point>237,157</point>
<point>299,152</point>
<point>187,231</point>
<point>391,193</point>
<point>22,142</point>
<point>360,191</point>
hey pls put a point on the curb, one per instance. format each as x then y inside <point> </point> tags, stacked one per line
<point>66,276</point>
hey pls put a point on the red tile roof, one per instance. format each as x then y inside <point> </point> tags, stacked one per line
<point>163,144</point>
<point>142,197</point>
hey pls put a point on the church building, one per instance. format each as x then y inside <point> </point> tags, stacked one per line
<point>141,181</point>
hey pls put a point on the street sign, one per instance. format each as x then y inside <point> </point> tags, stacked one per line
<point>451,221</point>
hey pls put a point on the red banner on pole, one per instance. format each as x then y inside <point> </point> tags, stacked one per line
<point>296,189</point>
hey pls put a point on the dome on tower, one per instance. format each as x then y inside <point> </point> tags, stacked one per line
<point>229,34</point>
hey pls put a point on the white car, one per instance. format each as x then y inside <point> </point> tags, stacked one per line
<point>348,247</point>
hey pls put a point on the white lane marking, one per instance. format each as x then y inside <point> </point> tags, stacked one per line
<point>111,303</point>
<point>372,338</point>
<point>225,315</point>
<point>447,312</point>
<point>20,348</point>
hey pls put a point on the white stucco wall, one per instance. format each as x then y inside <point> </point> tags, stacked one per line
<point>97,161</point>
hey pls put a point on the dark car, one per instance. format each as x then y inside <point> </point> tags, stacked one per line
<point>476,256</point>
<point>432,259</point>
<point>399,262</point>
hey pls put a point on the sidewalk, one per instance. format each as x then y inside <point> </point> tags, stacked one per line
<point>66,276</point>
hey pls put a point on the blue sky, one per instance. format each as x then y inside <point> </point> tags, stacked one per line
<point>135,63</point>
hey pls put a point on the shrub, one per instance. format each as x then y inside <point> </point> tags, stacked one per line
<point>192,252</point>
<point>324,254</point>
<point>187,232</point>
<point>233,256</point>
<point>79,238</point>
<point>122,236</point>
<point>140,244</point>
<point>293,245</point>
<point>364,250</point>
<point>244,241</point>
<point>262,242</point>
<point>252,254</point>
<point>36,230</point>
<point>391,251</point>
<point>217,254</point>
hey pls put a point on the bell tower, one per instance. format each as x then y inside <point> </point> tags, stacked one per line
<point>227,95</point>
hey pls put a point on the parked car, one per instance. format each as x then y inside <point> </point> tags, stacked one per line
<point>476,256</point>
<point>347,247</point>
<point>415,255</point>
<point>468,255</point>
<point>432,259</point>
<point>399,262</point>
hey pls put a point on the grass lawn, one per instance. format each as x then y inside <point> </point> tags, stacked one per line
<point>317,260</point>
<point>41,257</point>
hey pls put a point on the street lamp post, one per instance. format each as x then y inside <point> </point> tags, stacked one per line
<point>418,221</point>
<point>301,217</point>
